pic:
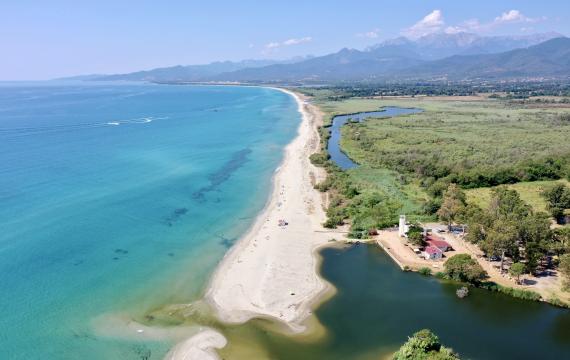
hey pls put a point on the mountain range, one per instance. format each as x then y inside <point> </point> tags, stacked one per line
<point>458,56</point>
<point>195,72</point>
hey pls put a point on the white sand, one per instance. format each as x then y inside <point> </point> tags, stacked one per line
<point>199,347</point>
<point>272,271</point>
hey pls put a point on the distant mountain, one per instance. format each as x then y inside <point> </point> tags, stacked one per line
<point>80,77</point>
<point>448,56</point>
<point>441,45</point>
<point>347,64</point>
<point>193,72</point>
<point>548,59</point>
<point>383,60</point>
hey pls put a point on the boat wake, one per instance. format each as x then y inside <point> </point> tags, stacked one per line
<point>26,131</point>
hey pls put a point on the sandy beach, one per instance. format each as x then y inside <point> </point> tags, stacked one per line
<point>272,271</point>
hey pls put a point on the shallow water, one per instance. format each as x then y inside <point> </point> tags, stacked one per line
<point>336,153</point>
<point>120,199</point>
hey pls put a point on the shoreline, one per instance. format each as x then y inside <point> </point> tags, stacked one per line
<point>272,272</point>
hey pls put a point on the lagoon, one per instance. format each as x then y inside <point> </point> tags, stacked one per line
<point>333,146</point>
<point>378,306</point>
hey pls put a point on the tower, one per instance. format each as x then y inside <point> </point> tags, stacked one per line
<point>402,229</point>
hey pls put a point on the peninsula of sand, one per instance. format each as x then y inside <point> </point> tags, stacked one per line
<point>272,271</point>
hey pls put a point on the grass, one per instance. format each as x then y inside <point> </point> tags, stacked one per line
<point>516,293</point>
<point>528,191</point>
<point>460,136</point>
<point>409,159</point>
<point>409,195</point>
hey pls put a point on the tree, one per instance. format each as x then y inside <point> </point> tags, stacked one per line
<point>534,235</point>
<point>453,204</point>
<point>557,200</point>
<point>416,235</point>
<point>424,345</point>
<point>477,221</point>
<point>462,267</point>
<point>564,268</point>
<point>501,239</point>
<point>559,243</point>
<point>516,270</point>
<point>507,204</point>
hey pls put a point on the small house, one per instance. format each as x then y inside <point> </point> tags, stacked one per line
<point>432,253</point>
<point>438,243</point>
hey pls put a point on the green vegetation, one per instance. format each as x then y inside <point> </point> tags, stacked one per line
<point>424,345</point>
<point>416,235</point>
<point>425,271</point>
<point>472,144</point>
<point>509,227</point>
<point>560,243</point>
<point>530,192</point>
<point>516,270</point>
<point>463,268</point>
<point>503,90</point>
<point>516,293</point>
<point>452,205</point>
<point>407,163</point>
<point>557,201</point>
<point>565,270</point>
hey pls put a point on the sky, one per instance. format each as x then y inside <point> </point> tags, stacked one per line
<point>49,39</point>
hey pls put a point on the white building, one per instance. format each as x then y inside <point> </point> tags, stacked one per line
<point>403,227</point>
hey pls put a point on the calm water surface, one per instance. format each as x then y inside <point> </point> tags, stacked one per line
<point>336,153</point>
<point>378,306</point>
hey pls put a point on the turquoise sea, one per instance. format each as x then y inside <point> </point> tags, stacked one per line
<point>120,199</point>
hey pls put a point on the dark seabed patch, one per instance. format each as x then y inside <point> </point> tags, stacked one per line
<point>238,159</point>
<point>175,215</point>
<point>227,242</point>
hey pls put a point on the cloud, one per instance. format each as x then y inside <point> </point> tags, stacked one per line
<point>471,25</point>
<point>274,45</point>
<point>372,34</point>
<point>297,41</point>
<point>514,16</point>
<point>508,17</point>
<point>431,23</point>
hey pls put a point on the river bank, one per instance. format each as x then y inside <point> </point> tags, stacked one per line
<point>272,271</point>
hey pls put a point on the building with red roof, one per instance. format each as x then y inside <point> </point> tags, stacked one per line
<point>438,242</point>
<point>432,253</point>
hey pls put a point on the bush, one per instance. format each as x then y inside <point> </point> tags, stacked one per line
<point>516,293</point>
<point>557,302</point>
<point>440,275</point>
<point>332,222</point>
<point>424,345</point>
<point>319,159</point>
<point>425,271</point>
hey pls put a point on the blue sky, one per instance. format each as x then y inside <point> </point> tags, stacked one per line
<point>47,39</point>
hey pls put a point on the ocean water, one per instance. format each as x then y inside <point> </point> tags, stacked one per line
<point>118,199</point>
